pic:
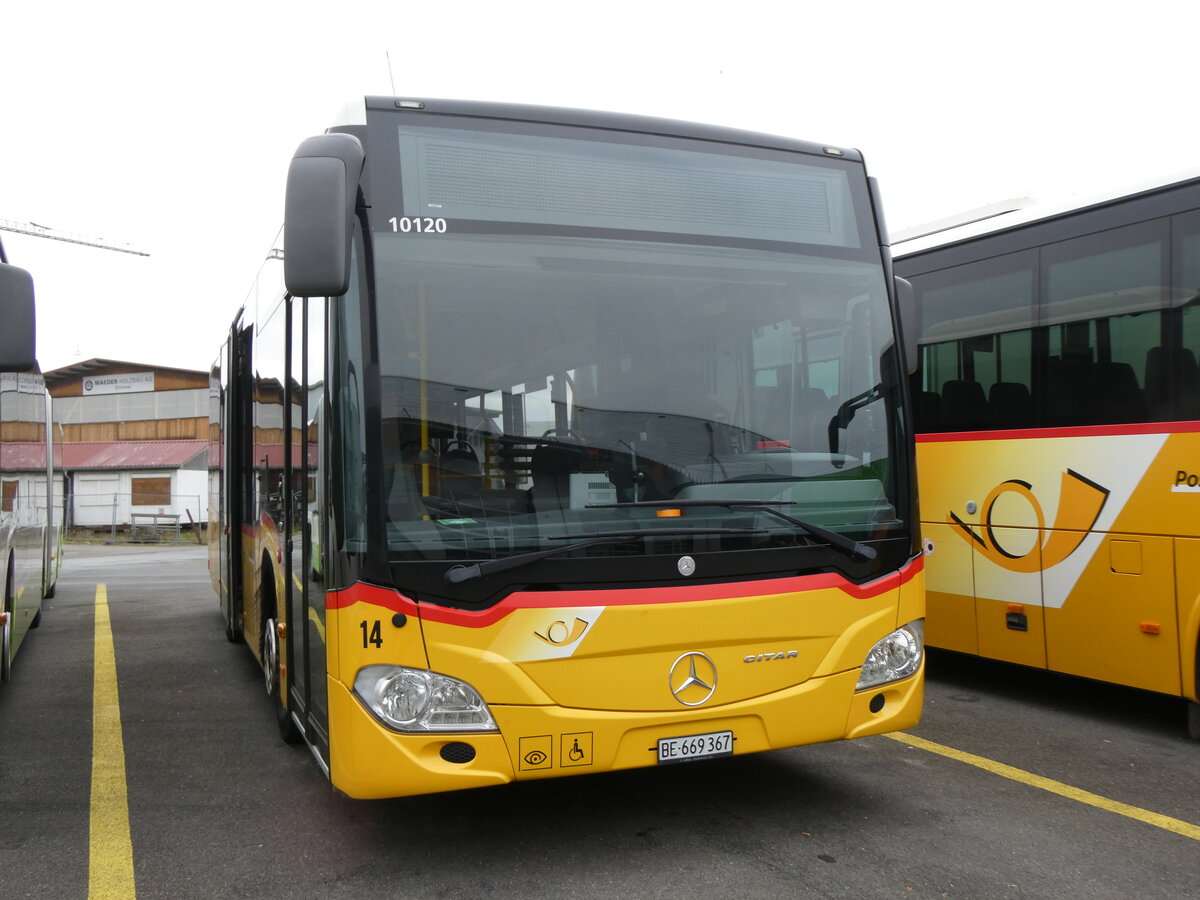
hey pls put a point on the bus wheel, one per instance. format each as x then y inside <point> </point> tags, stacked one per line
<point>287,728</point>
<point>1193,720</point>
<point>270,657</point>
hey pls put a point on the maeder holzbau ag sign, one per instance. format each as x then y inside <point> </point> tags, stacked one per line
<point>128,383</point>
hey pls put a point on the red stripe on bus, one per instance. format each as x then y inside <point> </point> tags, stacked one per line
<point>372,594</point>
<point>396,602</point>
<point>1023,434</point>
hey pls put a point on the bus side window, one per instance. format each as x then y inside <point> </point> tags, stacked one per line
<point>1182,379</point>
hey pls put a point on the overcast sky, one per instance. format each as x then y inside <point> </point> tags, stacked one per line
<point>171,131</point>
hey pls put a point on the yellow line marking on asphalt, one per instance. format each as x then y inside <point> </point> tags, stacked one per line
<point>1055,787</point>
<point>110,848</point>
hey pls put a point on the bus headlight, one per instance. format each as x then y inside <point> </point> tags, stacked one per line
<point>414,700</point>
<point>895,657</point>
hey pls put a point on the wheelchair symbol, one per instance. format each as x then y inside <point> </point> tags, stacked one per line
<point>576,749</point>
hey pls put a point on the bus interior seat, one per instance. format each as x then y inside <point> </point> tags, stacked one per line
<point>1068,390</point>
<point>1010,404</point>
<point>551,464</point>
<point>810,427</point>
<point>460,463</point>
<point>1117,395</point>
<point>964,405</point>
<point>460,477</point>
<point>799,417</point>
<point>1172,383</point>
<point>401,472</point>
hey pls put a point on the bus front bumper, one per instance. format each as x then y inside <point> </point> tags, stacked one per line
<point>369,761</point>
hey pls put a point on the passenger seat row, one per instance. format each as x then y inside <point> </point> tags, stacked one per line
<point>1074,392</point>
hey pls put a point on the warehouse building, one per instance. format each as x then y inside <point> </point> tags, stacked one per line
<point>109,400</point>
<point>134,445</point>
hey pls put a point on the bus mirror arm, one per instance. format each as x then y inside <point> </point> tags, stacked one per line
<point>841,419</point>
<point>906,306</point>
<point>318,218</point>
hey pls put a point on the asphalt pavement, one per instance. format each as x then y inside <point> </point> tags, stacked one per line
<point>1021,784</point>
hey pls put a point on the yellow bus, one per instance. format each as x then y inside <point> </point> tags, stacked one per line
<point>1058,416</point>
<point>551,442</point>
<point>31,485</point>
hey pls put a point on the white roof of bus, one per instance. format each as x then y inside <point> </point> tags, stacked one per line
<point>1010,214</point>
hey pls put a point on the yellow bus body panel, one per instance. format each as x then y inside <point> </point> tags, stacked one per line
<point>1073,550</point>
<point>1187,562</point>
<point>587,686</point>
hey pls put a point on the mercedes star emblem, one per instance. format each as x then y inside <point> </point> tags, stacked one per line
<point>693,679</point>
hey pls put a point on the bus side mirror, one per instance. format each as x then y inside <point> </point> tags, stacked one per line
<point>318,218</point>
<point>906,306</point>
<point>17,333</point>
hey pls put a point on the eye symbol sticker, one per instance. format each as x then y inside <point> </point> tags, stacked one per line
<point>535,752</point>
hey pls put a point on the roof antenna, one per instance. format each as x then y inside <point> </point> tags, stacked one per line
<point>391,77</point>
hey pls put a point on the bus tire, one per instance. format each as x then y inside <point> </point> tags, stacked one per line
<point>283,719</point>
<point>270,658</point>
<point>1193,706</point>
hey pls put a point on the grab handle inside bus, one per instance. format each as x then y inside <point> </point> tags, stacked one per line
<point>18,336</point>
<point>318,218</point>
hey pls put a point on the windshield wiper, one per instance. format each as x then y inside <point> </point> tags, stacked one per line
<point>850,547</point>
<point>460,573</point>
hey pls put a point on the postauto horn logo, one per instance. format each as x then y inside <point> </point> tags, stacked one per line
<point>1079,506</point>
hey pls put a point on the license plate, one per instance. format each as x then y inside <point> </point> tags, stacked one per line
<point>695,746</point>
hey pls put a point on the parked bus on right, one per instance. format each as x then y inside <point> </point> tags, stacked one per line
<point>1058,427</point>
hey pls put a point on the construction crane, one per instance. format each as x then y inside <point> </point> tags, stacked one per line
<point>44,231</point>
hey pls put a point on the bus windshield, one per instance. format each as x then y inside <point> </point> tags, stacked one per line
<point>704,327</point>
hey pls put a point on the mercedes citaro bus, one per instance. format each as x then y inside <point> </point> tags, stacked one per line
<point>552,442</point>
